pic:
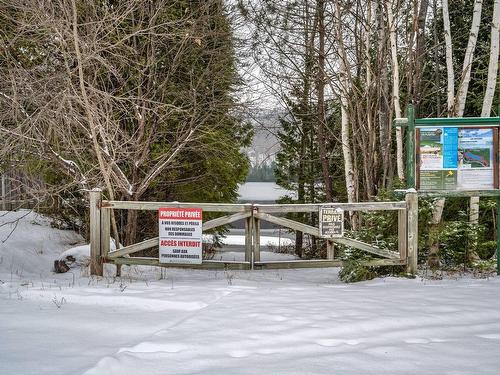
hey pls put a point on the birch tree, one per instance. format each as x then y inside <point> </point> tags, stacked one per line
<point>395,88</point>
<point>469,56</point>
<point>344,87</point>
<point>493,62</point>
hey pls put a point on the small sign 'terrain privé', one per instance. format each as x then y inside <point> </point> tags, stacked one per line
<point>180,233</point>
<point>331,222</point>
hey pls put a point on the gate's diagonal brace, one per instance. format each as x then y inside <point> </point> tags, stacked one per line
<point>288,223</point>
<point>368,248</point>
<point>226,220</point>
<point>152,242</point>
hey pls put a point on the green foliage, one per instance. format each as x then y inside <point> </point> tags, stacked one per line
<point>486,250</point>
<point>458,240</point>
<point>262,172</point>
<point>353,271</point>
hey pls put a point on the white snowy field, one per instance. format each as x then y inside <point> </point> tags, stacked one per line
<point>233,322</point>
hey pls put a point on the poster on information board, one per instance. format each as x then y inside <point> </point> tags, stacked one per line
<point>180,235</point>
<point>453,158</point>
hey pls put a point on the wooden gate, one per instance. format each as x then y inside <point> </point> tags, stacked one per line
<point>253,214</point>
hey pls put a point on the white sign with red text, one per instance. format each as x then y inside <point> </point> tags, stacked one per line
<point>180,232</point>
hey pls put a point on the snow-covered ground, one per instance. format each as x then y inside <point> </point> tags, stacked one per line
<point>233,322</point>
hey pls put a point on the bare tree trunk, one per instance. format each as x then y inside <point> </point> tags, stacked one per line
<point>93,127</point>
<point>419,51</point>
<point>395,90</point>
<point>450,91</point>
<point>464,87</point>
<point>344,92</point>
<point>437,83</point>
<point>469,56</point>
<point>325,165</point>
<point>490,90</point>
<point>382,97</point>
<point>493,63</point>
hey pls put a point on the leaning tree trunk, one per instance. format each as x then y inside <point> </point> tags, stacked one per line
<point>493,63</point>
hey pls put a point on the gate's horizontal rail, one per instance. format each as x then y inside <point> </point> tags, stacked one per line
<point>153,206</point>
<point>318,263</point>
<point>207,264</point>
<point>359,206</point>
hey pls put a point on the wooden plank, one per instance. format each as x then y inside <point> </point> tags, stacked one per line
<point>105,232</point>
<point>153,206</point>
<point>248,239</point>
<point>321,263</point>
<point>17,201</point>
<point>256,242</point>
<point>402,234</point>
<point>464,194</point>
<point>4,193</point>
<point>127,250</point>
<point>207,264</point>
<point>410,147</point>
<point>330,249</point>
<point>458,121</point>
<point>366,247</point>
<point>288,223</point>
<point>412,202</point>
<point>226,220</point>
<point>96,267</point>
<point>306,207</point>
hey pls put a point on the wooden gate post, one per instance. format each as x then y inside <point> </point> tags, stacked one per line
<point>330,250</point>
<point>249,240</point>
<point>4,195</point>
<point>256,238</point>
<point>412,210</point>
<point>96,267</point>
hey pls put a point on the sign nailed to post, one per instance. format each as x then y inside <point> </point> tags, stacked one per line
<point>180,233</point>
<point>331,222</point>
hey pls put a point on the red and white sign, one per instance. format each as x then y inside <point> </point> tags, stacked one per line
<point>180,232</point>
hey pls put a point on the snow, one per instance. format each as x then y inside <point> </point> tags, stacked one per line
<point>79,256</point>
<point>263,191</point>
<point>175,321</point>
<point>239,240</point>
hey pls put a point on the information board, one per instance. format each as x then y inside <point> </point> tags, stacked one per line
<point>180,233</point>
<point>453,158</point>
<point>331,222</point>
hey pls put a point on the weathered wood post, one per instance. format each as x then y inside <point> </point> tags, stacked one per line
<point>412,210</point>
<point>330,249</point>
<point>4,195</point>
<point>105,232</point>
<point>498,230</point>
<point>410,147</point>
<point>248,240</point>
<point>403,233</point>
<point>256,238</point>
<point>96,267</point>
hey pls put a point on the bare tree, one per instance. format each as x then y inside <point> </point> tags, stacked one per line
<point>114,95</point>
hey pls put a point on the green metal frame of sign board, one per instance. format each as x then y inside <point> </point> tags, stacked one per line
<point>410,123</point>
